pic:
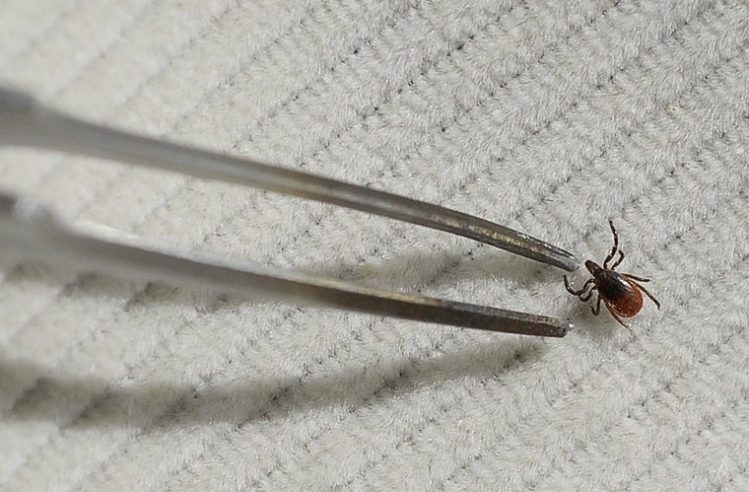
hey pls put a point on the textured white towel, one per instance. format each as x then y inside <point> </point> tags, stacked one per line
<point>549,116</point>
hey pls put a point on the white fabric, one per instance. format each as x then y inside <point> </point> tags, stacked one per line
<point>548,116</point>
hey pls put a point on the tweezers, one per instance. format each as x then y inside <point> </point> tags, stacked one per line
<point>33,230</point>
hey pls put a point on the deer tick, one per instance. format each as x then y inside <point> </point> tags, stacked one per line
<point>620,292</point>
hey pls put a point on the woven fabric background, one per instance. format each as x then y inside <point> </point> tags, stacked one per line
<point>548,116</point>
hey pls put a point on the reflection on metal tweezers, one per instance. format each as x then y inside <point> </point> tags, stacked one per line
<point>29,228</point>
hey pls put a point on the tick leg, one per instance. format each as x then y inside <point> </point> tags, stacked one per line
<point>576,292</point>
<point>652,298</point>
<point>618,261</point>
<point>588,295</point>
<point>634,277</point>
<point>616,317</point>
<point>597,309</point>
<point>616,244</point>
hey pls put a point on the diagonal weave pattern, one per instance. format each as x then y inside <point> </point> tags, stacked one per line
<point>548,116</point>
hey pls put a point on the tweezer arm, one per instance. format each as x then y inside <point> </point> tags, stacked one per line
<point>31,231</point>
<point>25,122</point>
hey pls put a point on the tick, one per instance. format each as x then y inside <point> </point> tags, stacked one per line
<point>620,292</point>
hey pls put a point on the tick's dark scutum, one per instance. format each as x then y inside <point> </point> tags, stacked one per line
<point>611,285</point>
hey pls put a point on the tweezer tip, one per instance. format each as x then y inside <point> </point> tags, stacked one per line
<point>566,261</point>
<point>548,253</point>
<point>566,327</point>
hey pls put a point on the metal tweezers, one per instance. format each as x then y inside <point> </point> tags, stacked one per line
<point>30,229</point>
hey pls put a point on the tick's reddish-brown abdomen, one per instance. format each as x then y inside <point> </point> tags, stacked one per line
<point>628,303</point>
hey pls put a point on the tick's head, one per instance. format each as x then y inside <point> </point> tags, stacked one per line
<point>593,267</point>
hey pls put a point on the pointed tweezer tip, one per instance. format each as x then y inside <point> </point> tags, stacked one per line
<point>557,257</point>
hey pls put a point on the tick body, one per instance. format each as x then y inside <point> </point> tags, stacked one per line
<point>620,292</point>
